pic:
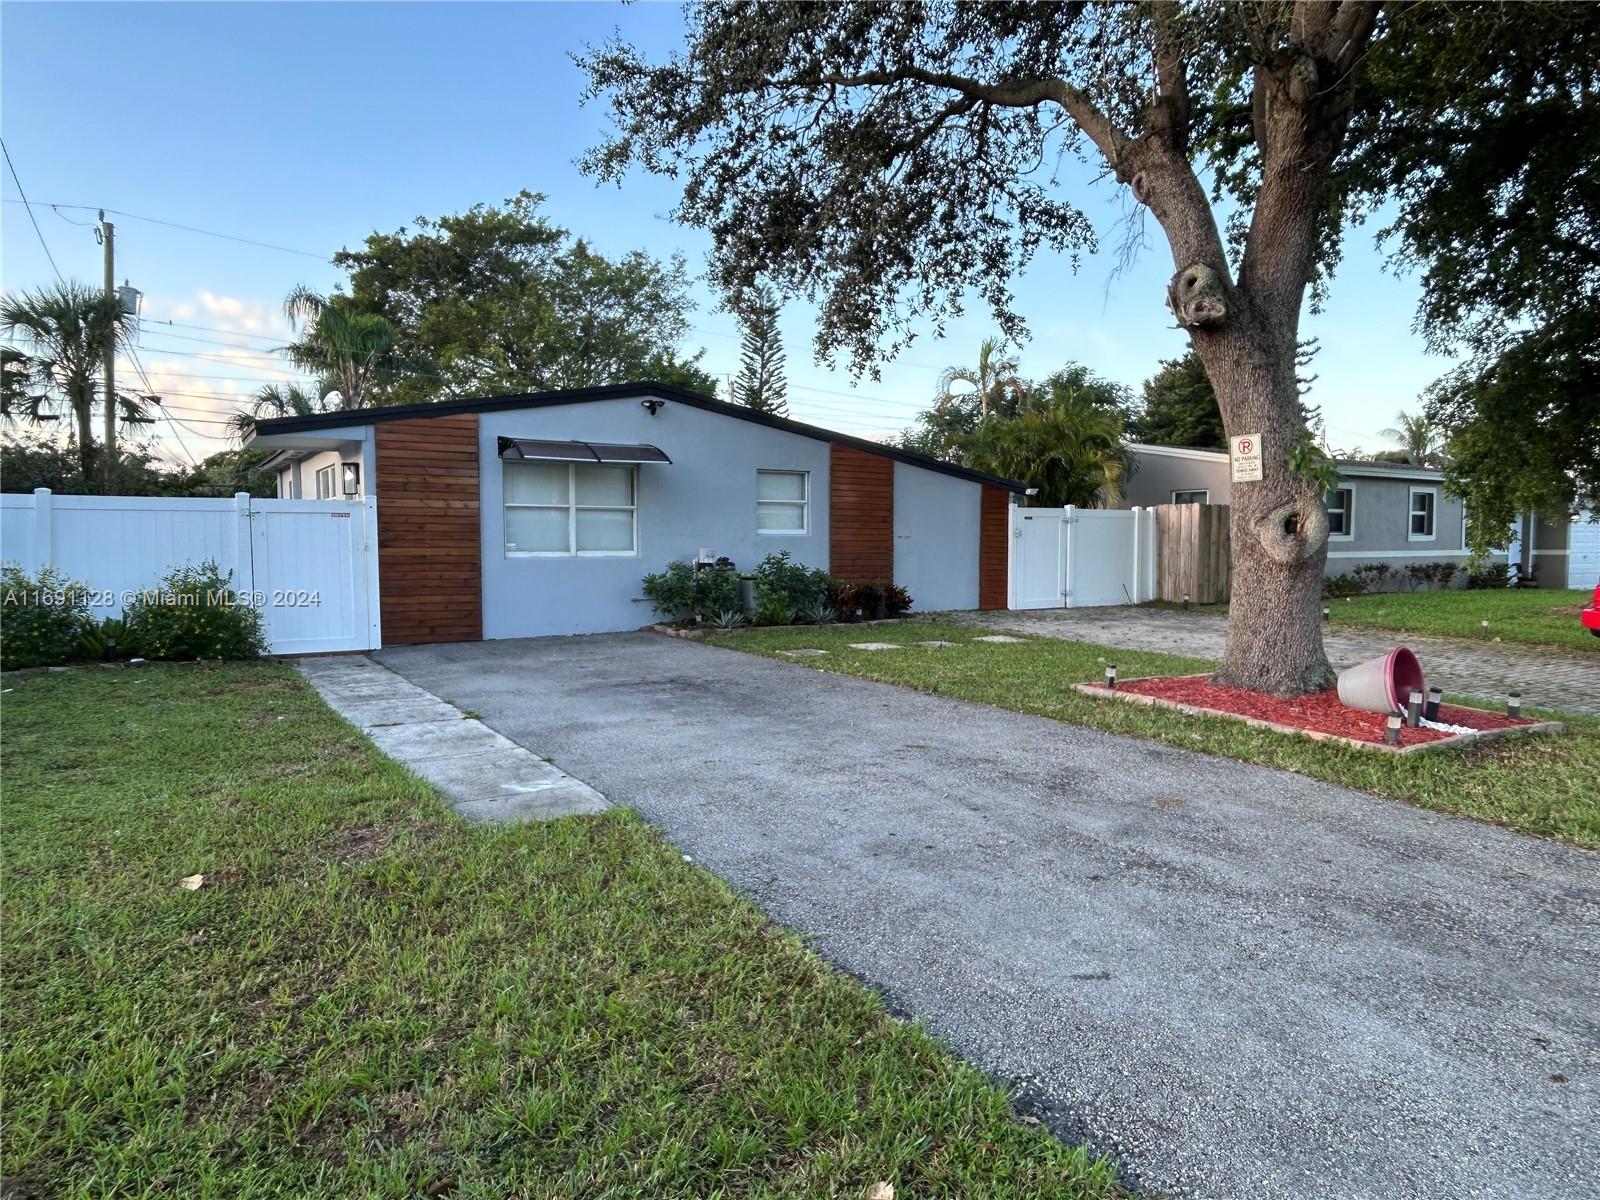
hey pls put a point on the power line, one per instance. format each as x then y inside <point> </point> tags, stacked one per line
<point>46,245</point>
<point>191,229</point>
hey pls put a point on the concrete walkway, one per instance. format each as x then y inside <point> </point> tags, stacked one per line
<point>488,776</point>
<point>1240,982</point>
<point>1547,678</point>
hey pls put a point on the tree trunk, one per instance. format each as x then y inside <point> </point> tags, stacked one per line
<point>82,410</point>
<point>1278,525</point>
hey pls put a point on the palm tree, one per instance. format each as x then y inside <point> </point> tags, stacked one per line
<point>1420,438</point>
<point>995,384</point>
<point>65,329</point>
<point>1070,448</point>
<point>278,400</point>
<point>347,350</point>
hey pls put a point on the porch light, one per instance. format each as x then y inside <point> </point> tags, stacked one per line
<point>351,480</point>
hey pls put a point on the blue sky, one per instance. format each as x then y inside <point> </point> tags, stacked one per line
<point>310,125</point>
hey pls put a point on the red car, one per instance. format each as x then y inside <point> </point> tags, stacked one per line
<point>1591,615</point>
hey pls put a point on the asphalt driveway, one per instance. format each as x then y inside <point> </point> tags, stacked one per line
<point>1240,982</point>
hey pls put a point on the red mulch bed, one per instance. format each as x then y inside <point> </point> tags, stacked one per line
<point>1319,712</point>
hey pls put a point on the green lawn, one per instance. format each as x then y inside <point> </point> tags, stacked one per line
<point>368,998</point>
<point>1532,616</point>
<point>1539,784</point>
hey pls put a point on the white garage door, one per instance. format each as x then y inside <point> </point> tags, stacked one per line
<point>1583,553</point>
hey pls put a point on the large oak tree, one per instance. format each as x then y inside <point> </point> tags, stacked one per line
<point>888,159</point>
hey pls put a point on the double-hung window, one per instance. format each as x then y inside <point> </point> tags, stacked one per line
<point>569,508</point>
<point>782,498</point>
<point>1341,513</point>
<point>327,483</point>
<point>1424,502</point>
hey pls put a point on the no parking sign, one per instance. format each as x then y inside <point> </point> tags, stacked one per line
<point>1245,455</point>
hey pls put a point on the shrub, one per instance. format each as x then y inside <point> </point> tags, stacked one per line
<point>195,613</point>
<point>1372,575</point>
<point>98,636</point>
<point>1495,575</point>
<point>681,591</point>
<point>671,591</point>
<point>774,612</point>
<point>732,618</point>
<point>817,614</point>
<point>869,599</point>
<point>42,618</point>
<point>1338,587</point>
<point>841,597</point>
<point>896,600</point>
<point>785,581</point>
<point>716,590</point>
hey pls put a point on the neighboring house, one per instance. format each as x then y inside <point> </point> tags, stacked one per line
<point>314,475</point>
<point>520,516</point>
<point>1381,512</point>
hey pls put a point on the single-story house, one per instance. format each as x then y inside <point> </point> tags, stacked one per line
<point>527,515</point>
<point>1391,513</point>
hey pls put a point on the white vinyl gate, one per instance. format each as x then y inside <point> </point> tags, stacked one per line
<point>310,565</point>
<point>1082,557</point>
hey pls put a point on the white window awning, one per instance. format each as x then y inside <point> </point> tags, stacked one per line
<point>536,449</point>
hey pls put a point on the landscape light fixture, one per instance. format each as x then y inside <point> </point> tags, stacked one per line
<point>1391,730</point>
<point>1431,709</point>
<point>1414,710</point>
<point>1186,602</point>
<point>1327,614</point>
<point>1514,704</point>
<point>1111,675</point>
<point>351,477</point>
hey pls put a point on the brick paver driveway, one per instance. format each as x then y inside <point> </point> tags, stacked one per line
<point>1547,678</point>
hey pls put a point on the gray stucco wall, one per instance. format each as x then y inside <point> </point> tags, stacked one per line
<point>1381,524</point>
<point>1159,475</point>
<point>706,497</point>
<point>936,533</point>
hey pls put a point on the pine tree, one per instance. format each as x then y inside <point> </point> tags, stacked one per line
<point>760,384</point>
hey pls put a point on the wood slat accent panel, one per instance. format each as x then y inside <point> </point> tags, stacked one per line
<point>430,548</point>
<point>994,548</point>
<point>860,515</point>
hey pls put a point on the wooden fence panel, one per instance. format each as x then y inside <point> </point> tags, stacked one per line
<point>1192,556</point>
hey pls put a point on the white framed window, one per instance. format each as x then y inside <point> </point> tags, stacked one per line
<point>328,483</point>
<point>1424,508</point>
<point>1196,497</point>
<point>582,509</point>
<point>783,502</point>
<point>1341,514</point>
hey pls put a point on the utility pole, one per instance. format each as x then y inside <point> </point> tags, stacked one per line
<point>108,237</point>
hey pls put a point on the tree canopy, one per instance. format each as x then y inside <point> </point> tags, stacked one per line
<point>891,161</point>
<point>1179,408</point>
<point>1497,210</point>
<point>498,299</point>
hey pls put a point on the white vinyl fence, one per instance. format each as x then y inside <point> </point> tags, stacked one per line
<point>310,565</point>
<point>1082,557</point>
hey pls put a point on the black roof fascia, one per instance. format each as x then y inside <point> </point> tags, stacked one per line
<point>621,391</point>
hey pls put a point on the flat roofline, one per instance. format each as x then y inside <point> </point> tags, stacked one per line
<point>621,391</point>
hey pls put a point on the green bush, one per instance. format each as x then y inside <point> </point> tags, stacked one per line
<point>1338,587</point>
<point>774,612</point>
<point>1494,575</point>
<point>98,636</point>
<point>195,613</point>
<point>781,580</point>
<point>42,618</point>
<point>680,591</point>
